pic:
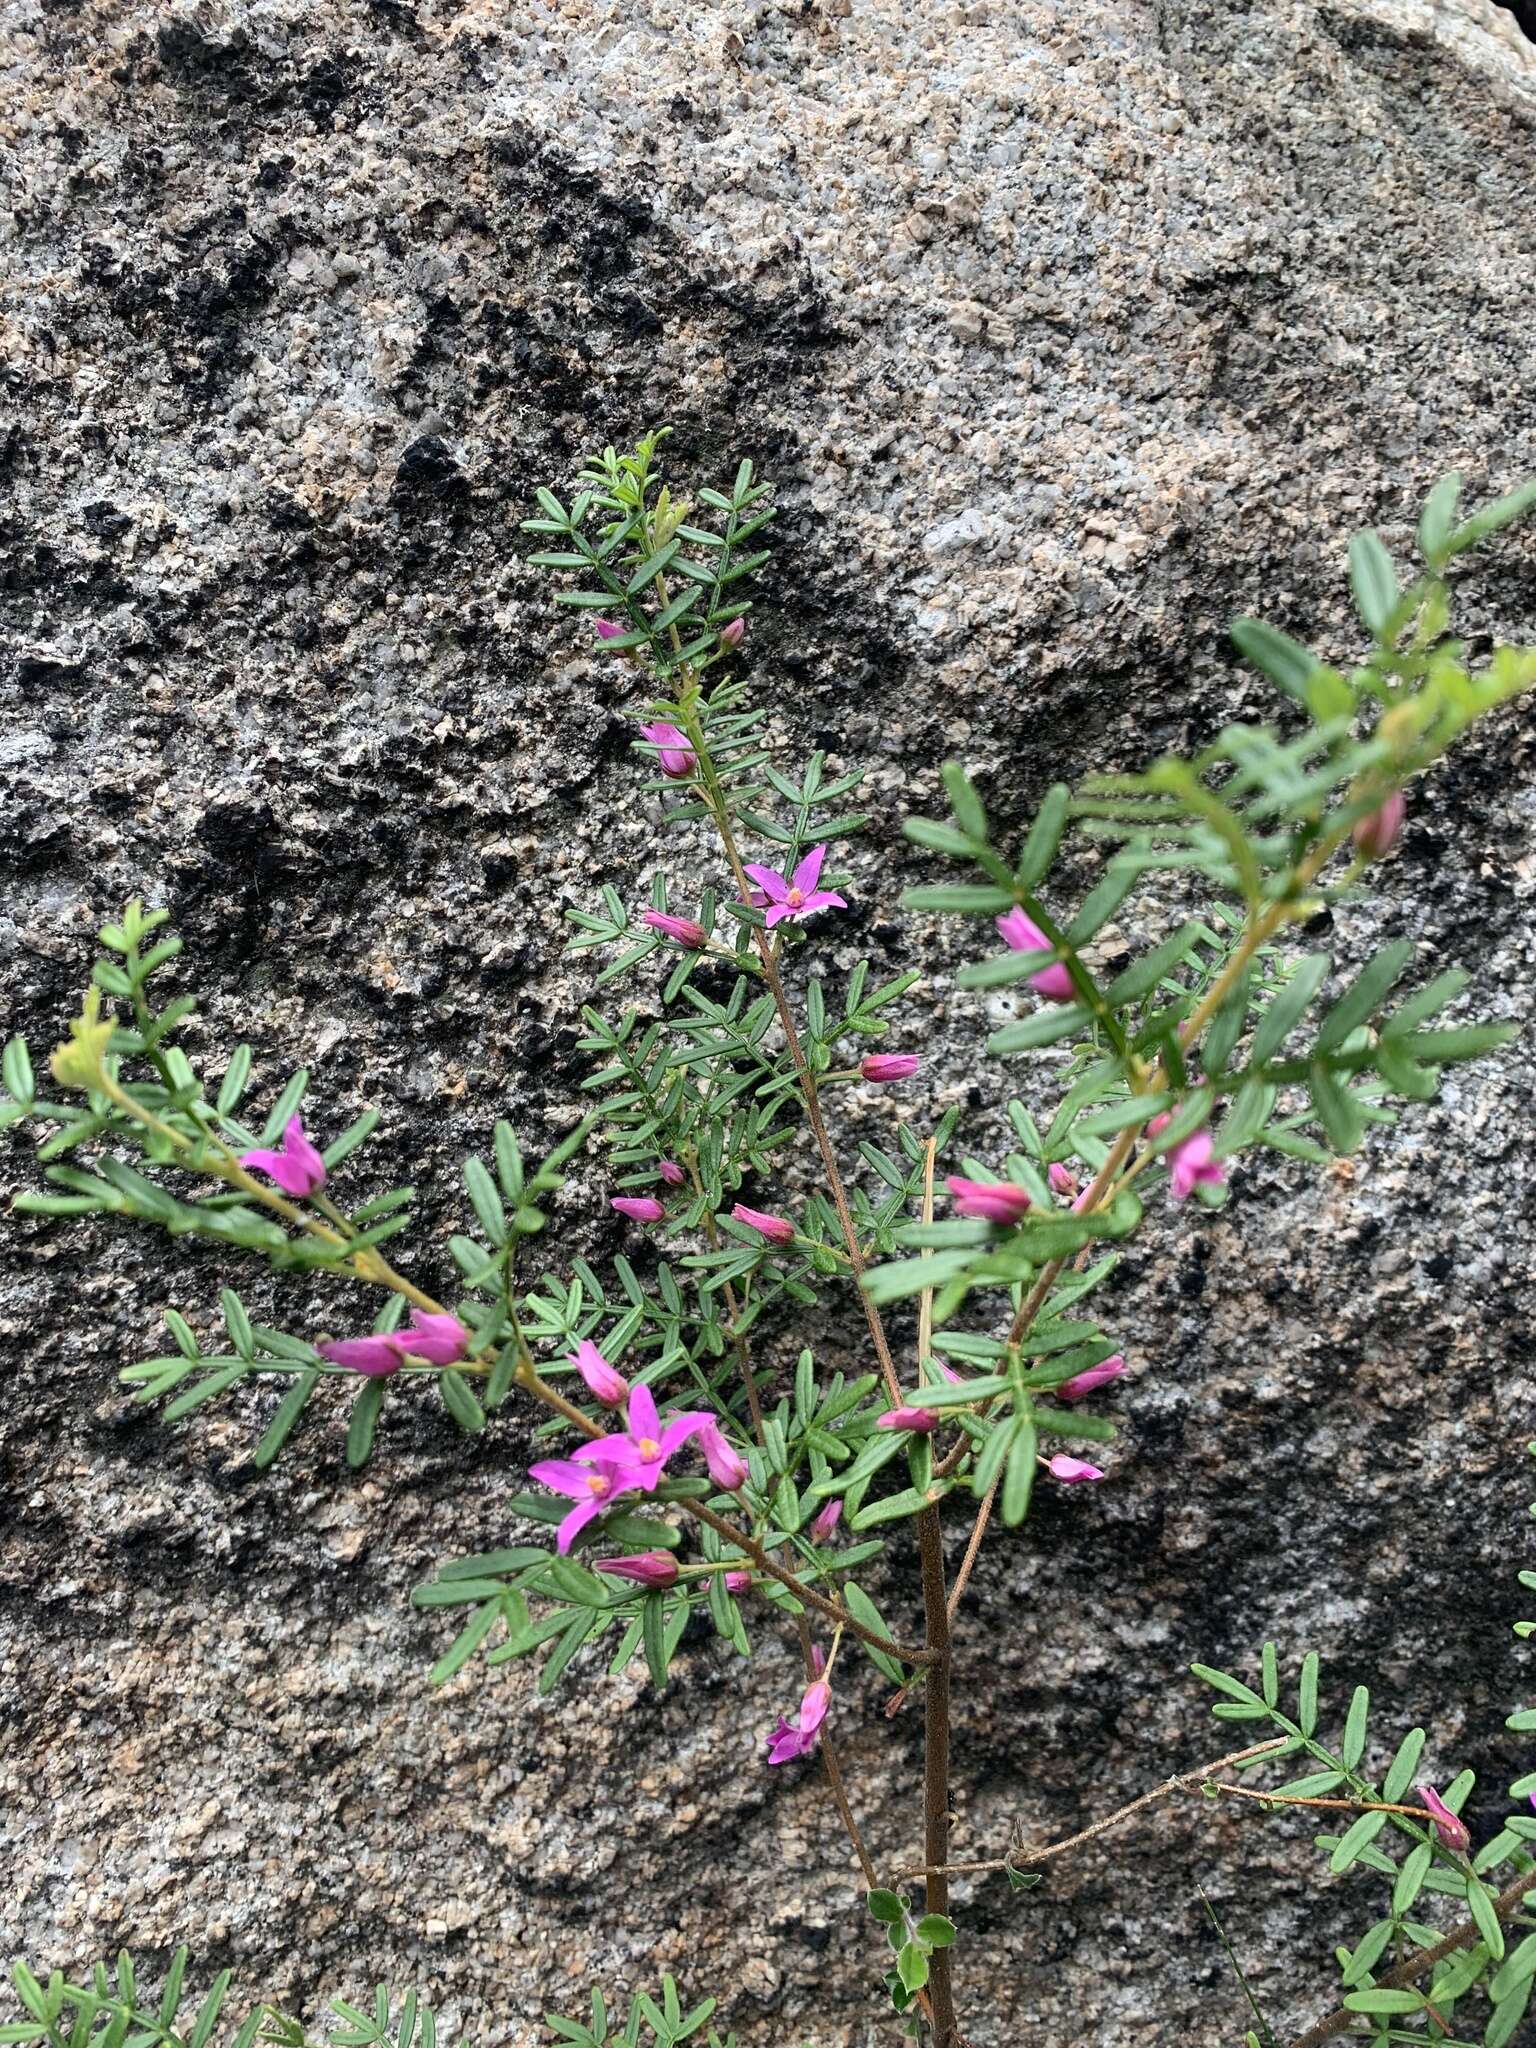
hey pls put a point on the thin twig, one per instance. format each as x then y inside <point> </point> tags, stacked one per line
<point>1342,1805</point>
<point>1017,1858</point>
<point>978,1530</point>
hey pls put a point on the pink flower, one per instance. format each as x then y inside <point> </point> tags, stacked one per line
<point>603,1383</point>
<point>671,1172</point>
<point>737,1582</point>
<point>994,1201</point>
<point>1025,936</point>
<point>439,1339</point>
<point>1071,1471</point>
<point>298,1168</point>
<point>683,929</point>
<point>375,1357</point>
<point>1448,1826</point>
<point>726,1468</point>
<point>603,1473</point>
<point>778,1228</point>
<point>798,896</point>
<point>1062,1179</point>
<point>889,1066</point>
<point>675,757</point>
<point>1088,1382</point>
<point>730,636</point>
<point>605,629</point>
<point>640,1208</point>
<point>826,1521</point>
<point>919,1420</point>
<point>644,1447</point>
<point>1191,1162</point>
<point>646,1568</point>
<point>786,1742</point>
<point>1377,834</point>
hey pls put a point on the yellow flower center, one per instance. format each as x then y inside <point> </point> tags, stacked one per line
<point>598,1484</point>
<point>795,899</point>
<point>648,1447</point>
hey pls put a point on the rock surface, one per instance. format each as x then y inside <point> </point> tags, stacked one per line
<point>1069,331</point>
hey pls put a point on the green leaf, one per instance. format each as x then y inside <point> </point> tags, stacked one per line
<point>1307,1694</point>
<point>282,1424</point>
<point>1373,580</point>
<point>1337,1110</point>
<point>862,1608</point>
<point>485,1200</point>
<point>970,814</point>
<point>1283,660</point>
<point>1144,975</point>
<point>1492,519</point>
<point>1384,2001</point>
<point>1400,1774</point>
<point>936,1929</point>
<point>1364,996</point>
<point>1287,1008</point>
<point>1222,1681</point>
<point>1044,836</point>
<point>366,1404</point>
<point>1353,1747</point>
<point>966,899</point>
<point>1045,1026</point>
<point>465,1643</point>
<point>1019,1474</point>
<point>886,1907</point>
<point>912,1967</point>
<point>653,1637</point>
<point>1438,517</point>
<point>1364,1830</point>
<point>1480,1906</point>
<point>16,1071</point>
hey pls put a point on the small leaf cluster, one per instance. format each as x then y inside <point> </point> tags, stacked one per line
<point>914,1938</point>
<point>650,2024</point>
<point>1489,1966</point>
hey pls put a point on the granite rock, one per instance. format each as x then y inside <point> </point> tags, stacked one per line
<point>1068,331</point>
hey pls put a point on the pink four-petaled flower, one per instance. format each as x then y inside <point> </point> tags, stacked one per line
<point>297,1167</point>
<point>600,1476</point>
<point>799,895</point>
<point>645,1445</point>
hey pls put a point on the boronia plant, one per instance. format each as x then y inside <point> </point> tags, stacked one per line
<point>696,1456</point>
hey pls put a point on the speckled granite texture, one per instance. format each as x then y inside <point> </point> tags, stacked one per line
<point>1069,330</point>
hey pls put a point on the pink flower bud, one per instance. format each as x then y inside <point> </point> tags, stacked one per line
<point>919,1420</point>
<point>1449,1827</point>
<point>826,1521</point>
<point>1191,1163</point>
<point>375,1357</point>
<point>737,1582</point>
<point>814,1704</point>
<point>675,757</point>
<point>1071,1471</point>
<point>641,1208</point>
<point>1091,1380</point>
<point>1025,936</point>
<point>778,1228</point>
<point>603,1383</point>
<point>440,1340</point>
<point>726,1468</point>
<point>648,1568</point>
<point>1377,834</point>
<point>889,1066</point>
<point>1062,1179</point>
<point>994,1201</point>
<point>730,636</point>
<point>671,1172</point>
<point>683,929</point>
<point>605,629</point>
